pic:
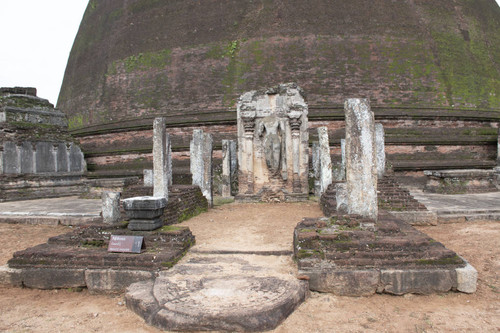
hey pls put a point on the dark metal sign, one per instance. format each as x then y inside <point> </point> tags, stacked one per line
<point>127,244</point>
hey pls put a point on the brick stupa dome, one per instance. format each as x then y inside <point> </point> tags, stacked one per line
<point>424,64</point>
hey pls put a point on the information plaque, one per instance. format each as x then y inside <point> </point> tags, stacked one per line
<point>127,244</point>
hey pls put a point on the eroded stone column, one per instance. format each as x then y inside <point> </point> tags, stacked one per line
<point>380,144</point>
<point>160,144</point>
<point>110,207</point>
<point>201,148</point>
<point>361,162</point>
<point>325,159</point>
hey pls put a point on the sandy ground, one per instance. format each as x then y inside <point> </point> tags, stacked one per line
<point>269,227</point>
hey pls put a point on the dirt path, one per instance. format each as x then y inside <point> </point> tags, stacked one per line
<point>269,227</point>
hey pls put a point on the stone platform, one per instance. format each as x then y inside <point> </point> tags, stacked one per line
<point>81,259</point>
<point>395,258</point>
<point>218,292</point>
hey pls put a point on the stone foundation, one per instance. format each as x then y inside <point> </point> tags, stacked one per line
<point>80,259</point>
<point>460,181</point>
<point>340,258</point>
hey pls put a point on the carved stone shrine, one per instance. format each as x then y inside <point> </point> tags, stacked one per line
<point>273,140</point>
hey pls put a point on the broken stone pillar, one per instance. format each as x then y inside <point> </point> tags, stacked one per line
<point>227,165</point>
<point>273,147</point>
<point>380,146</point>
<point>160,156</point>
<point>316,163</point>
<point>110,207</point>
<point>361,159</point>
<point>325,160</point>
<point>145,213</point>
<point>147,177</point>
<point>201,148</point>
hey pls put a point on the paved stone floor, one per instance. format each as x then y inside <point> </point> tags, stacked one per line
<point>66,210</point>
<point>439,203</point>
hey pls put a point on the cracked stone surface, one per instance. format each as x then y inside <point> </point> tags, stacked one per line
<point>214,292</point>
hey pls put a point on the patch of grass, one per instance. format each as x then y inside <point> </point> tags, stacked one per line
<point>168,228</point>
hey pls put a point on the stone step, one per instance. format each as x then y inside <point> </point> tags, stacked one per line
<point>460,218</point>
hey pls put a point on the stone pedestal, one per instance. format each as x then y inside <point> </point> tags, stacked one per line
<point>361,159</point>
<point>273,140</point>
<point>145,213</point>
<point>110,207</point>
<point>201,148</point>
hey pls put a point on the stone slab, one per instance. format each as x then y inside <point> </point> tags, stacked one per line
<point>100,281</point>
<point>52,278</point>
<point>417,217</point>
<point>218,293</point>
<point>344,282</point>
<point>428,281</point>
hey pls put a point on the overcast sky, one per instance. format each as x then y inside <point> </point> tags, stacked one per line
<point>36,38</point>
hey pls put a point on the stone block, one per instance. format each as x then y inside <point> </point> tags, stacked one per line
<point>145,213</point>
<point>424,281</point>
<point>110,207</point>
<point>45,161</point>
<point>417,217</point>
<point>145,224</point>
<point>53,278</point>
<point>76,160</point>
<point>62,159</point>
<point>344,282</point>
<point>144,203</point>
<point>10,276</point>
<point>466,279</point>
<point>27,162</point>
<point>112,280</point>
<point>10,158</point>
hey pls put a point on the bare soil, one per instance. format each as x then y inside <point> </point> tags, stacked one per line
<point>270,227</point>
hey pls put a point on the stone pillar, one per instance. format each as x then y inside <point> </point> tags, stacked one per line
<point>201,148</point>
<point>341,198</point>
<point>234,166</point>
<point>339,170</point>
<point>295,128</point>
<point>498,148</point>
<point>160,145</point>
<point>325,159</point>
<point>247,158</point>
<point>169,160</point>
<point>316,163</point>
<point>380,146</point>
<point>148,177</point>
<point>1,159</point>
<point>110,207</point>
<point>361,162</point>
<point>226,168</point>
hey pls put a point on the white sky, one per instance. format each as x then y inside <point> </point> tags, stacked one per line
<point>36,37</point>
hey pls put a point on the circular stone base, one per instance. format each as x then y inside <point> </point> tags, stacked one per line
<point>186,299</point>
